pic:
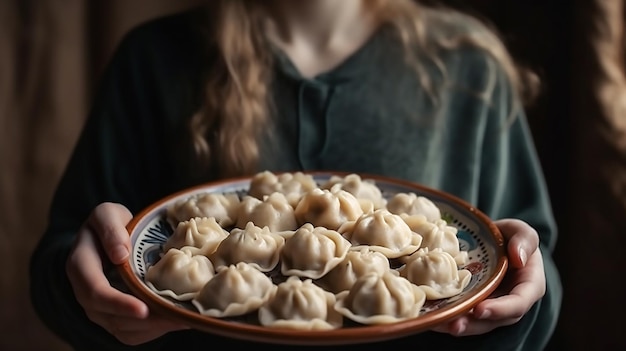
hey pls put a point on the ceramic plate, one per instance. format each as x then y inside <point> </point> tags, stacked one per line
<point>477,235</point>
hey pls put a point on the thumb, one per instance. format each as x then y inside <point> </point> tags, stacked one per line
<point>108,220</point>
<point>523,240</point>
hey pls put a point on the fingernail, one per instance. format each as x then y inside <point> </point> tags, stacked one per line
<point>462,326</point>
<point>119,254</point>
<point>484,314</point>
<point>522,256</point>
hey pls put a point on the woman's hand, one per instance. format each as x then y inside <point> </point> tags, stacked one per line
<point>103,240</point>
<point>523,285</point>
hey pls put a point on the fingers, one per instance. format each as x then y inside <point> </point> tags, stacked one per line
<point>91,286</point>
<point>132,331</point>
<point>467,326</point>
<point>520,290</point>
<point>124,316</point>
<point>109,221</point>
<point>523,285</point>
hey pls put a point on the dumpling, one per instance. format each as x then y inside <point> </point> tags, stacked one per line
<point>436,272</point>
<point>381,299</point>
<point>382,231</point>
<point>255,245</point>
<point>326,208</point>
<point>362,189</point>
<point>292,185</point>
<point>273,211</point>
<point>201,235</point>
<point>219,205</point>
<point>297,304</point>
<point>438,234</point>
<point>412,204</point>
<point>356,263</point>
<point>312,252</point>
<point>179,274</point>
<point>234,291</point>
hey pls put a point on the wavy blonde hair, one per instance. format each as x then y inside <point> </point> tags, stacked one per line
<point>236,99</point>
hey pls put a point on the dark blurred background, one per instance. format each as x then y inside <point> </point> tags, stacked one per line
<point>52,53</point>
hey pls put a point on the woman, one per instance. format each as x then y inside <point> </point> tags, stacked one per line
<point>384,87</point>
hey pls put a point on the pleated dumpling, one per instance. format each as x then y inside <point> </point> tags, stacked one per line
<point>273,211</point>
<point>328,208</point>
<point>362,189</point>
<point>312,252</point>
<point>234,291</point>
<point>201,235</point>
<point>179,274</point>
<point>381,299</point>
<point>300,304</point>
<point>412,204</point>
<point>292,185</point>
<point>222,206</point>
<point>382,231</point>
<point>254,245</point>
<point>356,263</point>
<point>436,272</point>
<point>438,234</point>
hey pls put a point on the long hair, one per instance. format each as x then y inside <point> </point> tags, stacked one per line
<point>237,107</point>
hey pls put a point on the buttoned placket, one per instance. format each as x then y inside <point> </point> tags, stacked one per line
<point>314,108</point>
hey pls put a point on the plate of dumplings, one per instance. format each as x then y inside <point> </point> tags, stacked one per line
<point>313,258</point>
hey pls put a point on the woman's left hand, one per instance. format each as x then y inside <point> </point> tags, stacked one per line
<point>523,285</point>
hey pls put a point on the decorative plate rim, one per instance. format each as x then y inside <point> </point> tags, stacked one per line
<point>347,335</point>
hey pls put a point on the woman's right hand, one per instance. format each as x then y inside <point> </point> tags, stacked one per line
<point>102,241</point>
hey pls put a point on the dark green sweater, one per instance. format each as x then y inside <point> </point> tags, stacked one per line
<point>368,115</point>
